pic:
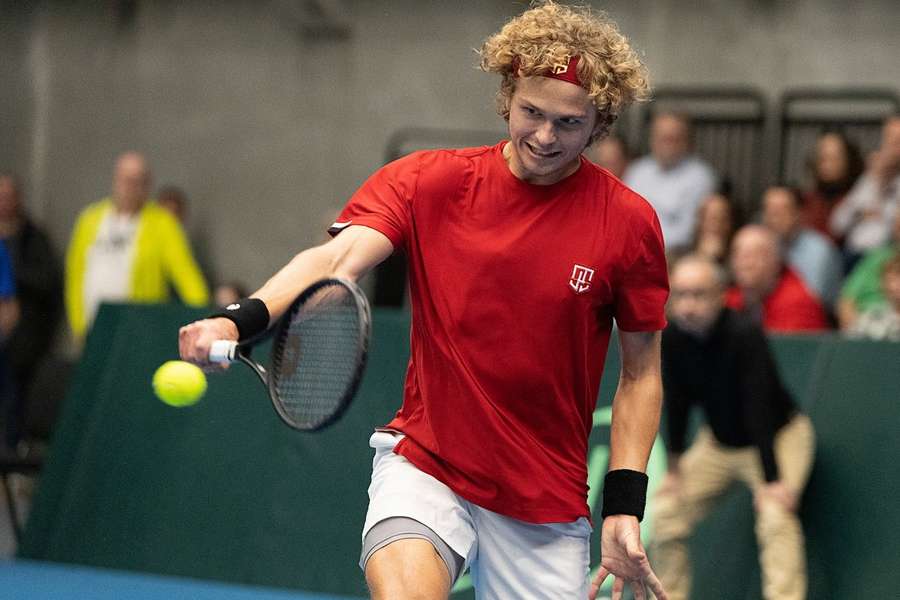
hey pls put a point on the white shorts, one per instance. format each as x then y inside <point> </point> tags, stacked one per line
<point>507,558</point>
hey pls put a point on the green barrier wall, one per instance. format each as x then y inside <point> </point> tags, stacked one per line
<point>223,490</point>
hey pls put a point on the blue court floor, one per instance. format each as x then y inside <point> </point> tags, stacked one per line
<point>28,580</point>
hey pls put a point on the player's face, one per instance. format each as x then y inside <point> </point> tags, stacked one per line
<point>696,297</point>
<point>550,125</point>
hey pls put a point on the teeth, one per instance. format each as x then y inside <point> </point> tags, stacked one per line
<point>544,154</point>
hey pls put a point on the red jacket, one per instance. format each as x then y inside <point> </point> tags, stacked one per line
<point>790,306</point>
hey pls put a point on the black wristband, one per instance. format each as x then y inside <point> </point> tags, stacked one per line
<point>624,493</point>
<point>250,315</point>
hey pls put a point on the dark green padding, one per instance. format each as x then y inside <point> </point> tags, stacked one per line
<point>223,490</point>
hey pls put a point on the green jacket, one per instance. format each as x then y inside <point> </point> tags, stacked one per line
<point>863,285</point>
<point>162,255</point>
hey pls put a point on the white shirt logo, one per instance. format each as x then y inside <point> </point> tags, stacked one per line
<point>232,307</point>
<point>581,278</point>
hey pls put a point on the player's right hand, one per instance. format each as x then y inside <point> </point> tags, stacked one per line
<point>195,339</point>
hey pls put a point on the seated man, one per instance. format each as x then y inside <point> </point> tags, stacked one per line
<point>719,360</point>
<point>768,291</point>
<point>673,180</point>
<point>812,255</point>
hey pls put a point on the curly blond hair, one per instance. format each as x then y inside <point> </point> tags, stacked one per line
<point>547,35</point>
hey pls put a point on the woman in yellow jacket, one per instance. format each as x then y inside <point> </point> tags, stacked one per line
<point>161,256</point>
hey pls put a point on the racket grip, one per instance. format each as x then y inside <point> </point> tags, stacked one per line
<point>222,351</point>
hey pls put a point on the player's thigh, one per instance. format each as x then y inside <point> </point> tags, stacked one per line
<point>407,569</point>
<point>399,489</point>
<point>415,527</point>
<point>525,560</point>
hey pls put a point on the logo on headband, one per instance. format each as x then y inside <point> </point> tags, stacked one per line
<point>565,71</point>
<point>562,69</point>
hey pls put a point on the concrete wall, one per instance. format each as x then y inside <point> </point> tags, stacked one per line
<point>269,129</point>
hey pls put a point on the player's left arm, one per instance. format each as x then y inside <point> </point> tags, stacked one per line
<point>638,401</point>
<point>635,421</point>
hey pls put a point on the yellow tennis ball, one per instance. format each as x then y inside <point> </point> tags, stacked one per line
<point>179,383</point>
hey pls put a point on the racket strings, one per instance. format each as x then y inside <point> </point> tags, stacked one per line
<point>319,357</point>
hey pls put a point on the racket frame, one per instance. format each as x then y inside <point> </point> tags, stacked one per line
<point>280,335</point>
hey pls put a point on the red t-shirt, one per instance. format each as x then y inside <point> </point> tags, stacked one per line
<point>790,306</point>
<point>513,289</point>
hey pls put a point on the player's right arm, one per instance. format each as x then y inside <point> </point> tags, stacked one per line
<point>350,255</point>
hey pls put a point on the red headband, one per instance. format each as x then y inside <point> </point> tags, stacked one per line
<point>567,73</point>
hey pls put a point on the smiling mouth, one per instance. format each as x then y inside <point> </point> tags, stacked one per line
<point>540,154</point>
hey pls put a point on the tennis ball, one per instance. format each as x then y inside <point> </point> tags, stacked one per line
<point>179,383</point>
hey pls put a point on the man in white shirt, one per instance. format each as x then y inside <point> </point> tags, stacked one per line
<point>864,218</point>
<point>673,180</point>
<point>126,248</point>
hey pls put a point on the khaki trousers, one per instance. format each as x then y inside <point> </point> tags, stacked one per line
<point>707,469</point>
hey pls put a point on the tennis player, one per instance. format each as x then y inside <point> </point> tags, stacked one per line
<point>521,256</point>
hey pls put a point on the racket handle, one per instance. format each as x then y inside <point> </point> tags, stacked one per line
<point>222,351</point>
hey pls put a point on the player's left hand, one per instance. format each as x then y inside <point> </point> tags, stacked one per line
<point>623,557</point>
<point>776,491</point>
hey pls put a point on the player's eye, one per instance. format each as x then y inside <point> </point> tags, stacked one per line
<point>529,110</point>
<point>571,122</point>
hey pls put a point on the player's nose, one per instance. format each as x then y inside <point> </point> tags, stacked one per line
<point>545,135</point>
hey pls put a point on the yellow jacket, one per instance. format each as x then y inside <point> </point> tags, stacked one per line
<point>162,255</point>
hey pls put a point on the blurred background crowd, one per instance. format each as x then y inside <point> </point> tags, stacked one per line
<point>158,152</point>
<point>259,120</point>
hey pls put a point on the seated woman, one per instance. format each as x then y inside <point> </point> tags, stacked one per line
<point>835,165</point>
<point>717,220</point>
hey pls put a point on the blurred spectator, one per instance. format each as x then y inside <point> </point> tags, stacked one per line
<point>612,154</point>
<point>174,200</point>
<point>718,360</point>
<point>862,290</point>
<point>717,221</point>
<point>769,291</point>
<point>835,166</point>
<point>812,255</point>
<point>864,218</point>
<point>882,322</point>
<point>229,293</point>
<point>9,317</point>
<point>38,280</point>
<point>126,248</point>
<point>671,179</point>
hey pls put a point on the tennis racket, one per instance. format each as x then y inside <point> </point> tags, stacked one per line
<point>319,352</point>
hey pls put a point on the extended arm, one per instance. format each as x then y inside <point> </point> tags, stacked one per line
<point>350,255</point>
<point>636,410</point>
